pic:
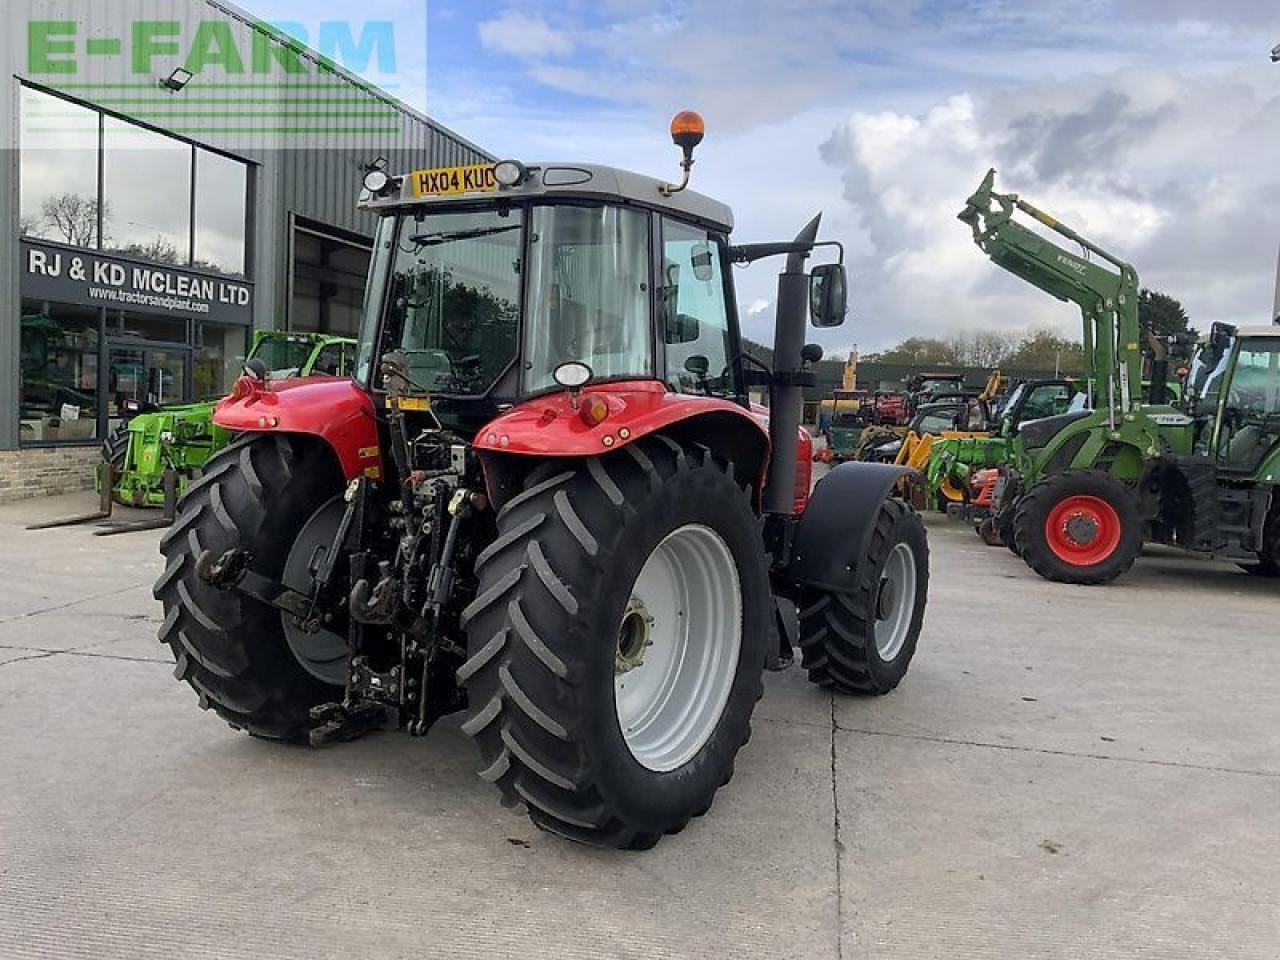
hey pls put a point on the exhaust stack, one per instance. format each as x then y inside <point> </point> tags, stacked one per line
<point>786,395</point>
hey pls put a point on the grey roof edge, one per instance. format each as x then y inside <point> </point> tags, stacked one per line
<point>252,20</point>
<point>587,180</point>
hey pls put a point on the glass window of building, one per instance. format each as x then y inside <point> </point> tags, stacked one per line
<point>146,180</point>
<point>222,190</point>
<point>59,170</point>
<point>146,326</point>
<point>696,322</point>
<point>219,360</point>
<point>58,350</point>
<point>328,284</point>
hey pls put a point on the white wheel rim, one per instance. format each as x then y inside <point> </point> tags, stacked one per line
<point>895,601</point>
<point>678,647</point>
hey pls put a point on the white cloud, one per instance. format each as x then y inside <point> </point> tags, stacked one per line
<point>1164,170</point>
<point>526,37</point>
<point>1138,124</point>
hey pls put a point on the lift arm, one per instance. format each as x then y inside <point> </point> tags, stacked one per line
<point>1108,299</point>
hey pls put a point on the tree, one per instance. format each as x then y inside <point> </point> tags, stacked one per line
<point>1161,314</point>
<point>73,218</point>
<point>1046,350</point>
<point>161,250</point>
<point>27,226</point>
<point>916,351</point>
<point>983,348</point>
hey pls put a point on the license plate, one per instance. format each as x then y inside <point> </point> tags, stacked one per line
<point>448,181</point>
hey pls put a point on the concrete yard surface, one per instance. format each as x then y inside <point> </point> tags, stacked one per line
<point>1065,772</point>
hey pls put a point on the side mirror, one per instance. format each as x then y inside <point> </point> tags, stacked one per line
<point>698,365</point>
<point>811,353</point>
<point>828,295</point>
<point>703,265</point>
<point>681,327</point>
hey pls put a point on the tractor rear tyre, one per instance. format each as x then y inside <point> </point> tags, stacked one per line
<point>862,641</point>
<point>617,642</point>
<point>1268,564</point>
<point>273,496</point>
<point>1078,526</point>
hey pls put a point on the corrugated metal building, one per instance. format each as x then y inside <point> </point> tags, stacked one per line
<point>146,229</point>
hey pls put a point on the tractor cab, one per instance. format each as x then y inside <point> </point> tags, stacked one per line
<point>1037,409</point>
<point>1234,395</point>
<point>545,499</point>
<point>282,355</point>
<point>489,279</point>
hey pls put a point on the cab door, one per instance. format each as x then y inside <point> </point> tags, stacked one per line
<point>698,337</point>
<point>1249,406</point>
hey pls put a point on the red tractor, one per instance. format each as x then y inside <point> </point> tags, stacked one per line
<point>890,409</point>
<point>544,499</point>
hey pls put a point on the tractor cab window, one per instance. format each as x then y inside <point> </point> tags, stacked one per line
<point>284,357</point>
<point>588,295</point>
<point>1047,400</point>
<point>1251,417</point>
<point>331,361</point>
<point>941,420</point>
<point>1207,373</point>
<point>454,302</point>
<point>695,321</point>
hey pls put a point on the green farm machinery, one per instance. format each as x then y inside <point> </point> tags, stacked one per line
<point>157,451</point>
<point>1079,491</point>
<point>155,440</point>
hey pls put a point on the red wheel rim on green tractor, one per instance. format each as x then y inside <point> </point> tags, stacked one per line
<point>1083,530</point>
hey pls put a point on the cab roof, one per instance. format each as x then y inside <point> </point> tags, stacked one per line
<point>1259,331</point>
<point>555,180</point>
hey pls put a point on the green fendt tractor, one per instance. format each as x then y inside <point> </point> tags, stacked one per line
<point>154,439</point>
<point>1082,490</point>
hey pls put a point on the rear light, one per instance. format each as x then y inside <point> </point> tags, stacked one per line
<point>593,409</point>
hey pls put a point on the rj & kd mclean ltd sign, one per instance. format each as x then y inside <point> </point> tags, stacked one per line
<point>100,280</point>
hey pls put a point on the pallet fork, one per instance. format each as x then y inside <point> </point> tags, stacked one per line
<point>102,516</point>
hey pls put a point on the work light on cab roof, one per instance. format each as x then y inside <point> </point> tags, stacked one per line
<point>687,131</point>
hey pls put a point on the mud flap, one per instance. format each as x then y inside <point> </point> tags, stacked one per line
<point>834,533</point>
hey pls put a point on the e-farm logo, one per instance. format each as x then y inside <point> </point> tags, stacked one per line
<point>224,76</point>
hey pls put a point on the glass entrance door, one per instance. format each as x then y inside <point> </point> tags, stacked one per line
<point>142,376</point>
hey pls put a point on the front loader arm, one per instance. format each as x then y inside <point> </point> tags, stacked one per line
<point>1108,299</point>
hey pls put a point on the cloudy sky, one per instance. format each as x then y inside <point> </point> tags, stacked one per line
<point>1153,126</point>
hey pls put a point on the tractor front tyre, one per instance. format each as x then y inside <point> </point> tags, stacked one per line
<point>115,447</point>
<point>114,450</point>
<point>990,532</point>
<point>617,642</point>
<point>861,641</point>
<point>1004,528</point>
<point>1078,526</point>
<point>273,496</point>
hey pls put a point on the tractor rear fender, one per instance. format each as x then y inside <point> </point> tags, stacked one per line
<point>336,411</point>
<point>558,426</point>
<point>834,533</point>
